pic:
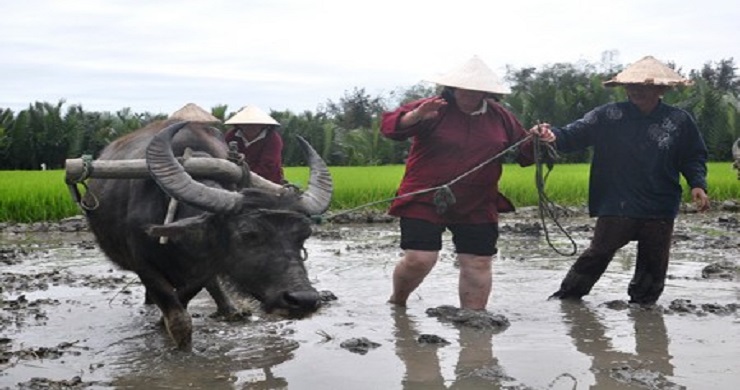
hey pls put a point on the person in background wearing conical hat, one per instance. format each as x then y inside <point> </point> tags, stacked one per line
<point>640,147</point>
<point>194,113</point>
<point>256,136</point>
<point>452,134</point>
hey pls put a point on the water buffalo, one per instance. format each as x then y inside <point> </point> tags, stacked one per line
<point>251,238</point>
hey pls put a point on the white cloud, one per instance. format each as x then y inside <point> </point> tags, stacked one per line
<point>291,54</point>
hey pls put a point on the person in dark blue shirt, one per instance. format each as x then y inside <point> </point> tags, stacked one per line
<point>640,149</point>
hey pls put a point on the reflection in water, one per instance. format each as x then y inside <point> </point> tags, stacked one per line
<point>245,361</point>
<point>612,369</point>
<point>124,350</point>
<point>476,367</point>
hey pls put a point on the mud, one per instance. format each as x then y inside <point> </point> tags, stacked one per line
<point>71,320</point>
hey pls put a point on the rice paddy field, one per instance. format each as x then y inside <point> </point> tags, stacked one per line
<point>32,196</point>
<point>70,319</point>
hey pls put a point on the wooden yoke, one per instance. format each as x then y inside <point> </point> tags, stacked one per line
<point>80,169</point>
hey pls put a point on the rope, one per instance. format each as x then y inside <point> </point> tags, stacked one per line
<point>87,160</point>
<point>95,203</point>
<point>444,197</point>
<point>544,204</point>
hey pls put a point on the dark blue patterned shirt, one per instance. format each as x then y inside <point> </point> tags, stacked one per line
<point>637,158</point>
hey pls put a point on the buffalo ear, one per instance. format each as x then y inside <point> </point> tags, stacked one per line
<point>179,228</point>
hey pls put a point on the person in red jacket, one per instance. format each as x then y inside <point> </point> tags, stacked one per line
<point>256,136</point>
<point>451,134</point>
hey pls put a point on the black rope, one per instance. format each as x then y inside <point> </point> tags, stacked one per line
<point>87,168</point>
<point>544,204</point>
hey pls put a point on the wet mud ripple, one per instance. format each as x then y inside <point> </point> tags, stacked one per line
<point>717,231</point>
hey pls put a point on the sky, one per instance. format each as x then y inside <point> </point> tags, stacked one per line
<point>158,55</point>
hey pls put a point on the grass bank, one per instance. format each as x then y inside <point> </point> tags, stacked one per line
<point>32,196</point>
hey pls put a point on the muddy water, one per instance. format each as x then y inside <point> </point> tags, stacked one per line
<point>70,318</point>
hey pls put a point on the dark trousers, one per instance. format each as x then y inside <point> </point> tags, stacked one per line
<point>653,238</point>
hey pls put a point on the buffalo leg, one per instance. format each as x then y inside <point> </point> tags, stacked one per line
<point>176,319</point>
<point>147,298</point>
<point>224,305</point>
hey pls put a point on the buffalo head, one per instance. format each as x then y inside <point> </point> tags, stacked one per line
<point>254,237</point>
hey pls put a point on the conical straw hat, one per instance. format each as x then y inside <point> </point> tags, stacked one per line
<point>192,112</point>
<point>474,75</point>
<point>648,71</point>
<point>251,115</point>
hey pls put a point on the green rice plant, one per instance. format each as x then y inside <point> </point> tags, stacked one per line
<point>31,196</point>
<point>722,182</point>
<point>566,184</point>
<point>356,186</point>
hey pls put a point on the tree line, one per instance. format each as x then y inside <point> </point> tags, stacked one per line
<point>345,132</point>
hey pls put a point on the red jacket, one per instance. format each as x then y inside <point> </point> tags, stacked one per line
<point>265,156</point>
<point>448,146</point>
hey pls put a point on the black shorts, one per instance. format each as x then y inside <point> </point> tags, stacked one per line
<point>475,239</point>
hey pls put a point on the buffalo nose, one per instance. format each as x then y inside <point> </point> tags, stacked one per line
<point>304,299</point>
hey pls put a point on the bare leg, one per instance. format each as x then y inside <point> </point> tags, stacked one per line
<point>422,364</point>
<point>410,272</point>
<point>475,281</point>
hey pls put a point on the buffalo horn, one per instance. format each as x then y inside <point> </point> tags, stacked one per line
<point>317,197</point>
<point>176,182</point>
<point>172,178</point>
